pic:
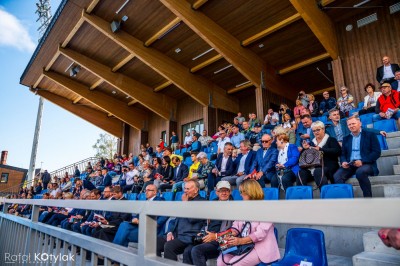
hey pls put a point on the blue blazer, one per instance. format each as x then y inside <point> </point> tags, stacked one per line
<point>107,180</point>
<point>395,85</point>
<point>229,165</point>
<point>302,130</point>
<point>88,185</point>
<point>182,173</point>
<point>196,146</point>
<point>293,155</point>
<point>251,156</point>
<point>330,130</point>
<point>370,149</point>
<point>160,219</point>
<point>266,163</point>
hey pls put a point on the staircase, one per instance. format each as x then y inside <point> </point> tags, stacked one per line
<point>71,168</point>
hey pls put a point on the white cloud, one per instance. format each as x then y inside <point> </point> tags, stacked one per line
<point>13,33</point>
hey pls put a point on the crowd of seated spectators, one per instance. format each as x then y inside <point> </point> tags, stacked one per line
<point>247,153</point>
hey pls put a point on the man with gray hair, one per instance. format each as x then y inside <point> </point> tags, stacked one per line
<point>242,164</point>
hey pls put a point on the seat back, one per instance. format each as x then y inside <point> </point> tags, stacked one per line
<point>271,193</point>
<point>388,125</point>
<point>366,119</point>
<point>168,196</point>
<point>132,196</point>
<point>236,195</point>
<point>323,119</point>
<point>188,161</point>
<point>203,194</point>
<point>337,191</point>
<point>382,142</point>
<point>306,244</point>
<point>360,105</point>
<point>142,196</point>
<point>213,195</point>
<point>178,196</point>
<point>299,192</point>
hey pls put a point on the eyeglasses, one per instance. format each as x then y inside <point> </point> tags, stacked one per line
<point>265,141</point>
<point>316,130</point>
<point>147,190</point>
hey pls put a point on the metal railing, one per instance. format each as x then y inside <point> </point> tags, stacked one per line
<point>28,237</point>
<point>71,168</point>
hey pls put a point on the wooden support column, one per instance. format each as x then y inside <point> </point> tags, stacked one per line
<point>125,139</point>
<point>210,120</point>
<point>338,75</point>
<point>144,137</point>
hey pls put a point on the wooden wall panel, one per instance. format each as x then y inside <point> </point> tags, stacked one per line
<point>362,48</point>
<point>188,111</point>
<point>134,140</point>
<point>156,126</point>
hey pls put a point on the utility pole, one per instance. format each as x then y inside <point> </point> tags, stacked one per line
<point>44,13</point>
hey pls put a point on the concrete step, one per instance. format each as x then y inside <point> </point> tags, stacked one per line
<point>393,135</point>
<point>396,169</point>
<point>393,143</point>
<point>372,243</point>
<point>387,160</point>
<point>375,259</point>
<point>380,191</point>
<point>378,180</point>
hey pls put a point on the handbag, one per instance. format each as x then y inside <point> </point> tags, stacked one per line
<point>241,250</point>
<point>310,158</point>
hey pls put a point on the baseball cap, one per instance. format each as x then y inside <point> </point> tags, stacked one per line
<point>385,84</point>
<point>257,125</point>
<point>223,184</point>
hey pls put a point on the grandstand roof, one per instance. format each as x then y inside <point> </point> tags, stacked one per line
<point>168,49</point>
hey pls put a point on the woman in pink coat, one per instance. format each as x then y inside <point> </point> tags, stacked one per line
<point>261,234</point>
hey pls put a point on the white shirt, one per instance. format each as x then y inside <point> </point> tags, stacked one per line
<point>130,176</point>
<point>282,157</point>
<point>242,163</point>
<point>387,72</point>
<point>221,143</point>
<point>269,119</point>
<point>223,163</point>
<point>188,140</point>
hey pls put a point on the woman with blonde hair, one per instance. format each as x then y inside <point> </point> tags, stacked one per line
<point>298,110</point>
<point>261,234</point>
<point>312,106</point>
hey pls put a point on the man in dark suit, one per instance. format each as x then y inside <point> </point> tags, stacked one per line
<point>82,184</point>
<point>358,159</point>
<point>396,83</point>
<point>128,231</point>
<point>181,171</point>
<point>242,164</point>
<point>224,162</point>
<point>179,237</point>
<point>108,225</point>
<point>265,161</point>
<point>385,73</point>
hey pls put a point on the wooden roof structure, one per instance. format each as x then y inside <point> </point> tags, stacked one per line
<point>167,49</point>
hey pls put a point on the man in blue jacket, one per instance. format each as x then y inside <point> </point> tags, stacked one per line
<point>129,231</point>
<point>181,171</point>
<point>180,235</point>
<point>360,150</point>
<point>242,164</point>
<point>263,167</point>
<point>304,132</point>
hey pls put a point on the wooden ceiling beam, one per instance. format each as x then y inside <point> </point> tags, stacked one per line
<point>162,86</point>
<point>93,116</point>
<point>326,2</point>
<point>132,102</point>
<point>122,63</point>
<point>161,32</point>
<point>130,115</point>
<point>303,63</point>
<point>197,87</point>
<point>160,104</point>
<point>332,88</point>
<point>248,63</point>
<point>319,23</point>
<point>77,99</point>
<point>240,88</point>
<point>271,29</point>
<point>96,84</point>
<point>206,63</point>
<point>199,3</point>
<point>92,5</point>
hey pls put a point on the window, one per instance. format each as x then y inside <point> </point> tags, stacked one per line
<point>164,136</point>
<point>196,125</point>
<point>4,178</point>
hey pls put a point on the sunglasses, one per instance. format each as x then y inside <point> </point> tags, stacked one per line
<point>265,141</point>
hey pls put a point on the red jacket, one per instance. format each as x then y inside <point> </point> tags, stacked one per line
<point>391,101</point>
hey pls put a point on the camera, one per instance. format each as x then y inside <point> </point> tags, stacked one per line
<point>198,239</point>
<point>301,94</point>
<point>281,110</point>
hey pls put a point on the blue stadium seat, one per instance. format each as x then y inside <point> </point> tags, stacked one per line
<point>213,195</point>
<point>203,194</point>
<point>214,147</point>
<point>44,191</point>
<point>177,152</point>
<point>366,119</point>
<point>388,125</point>
<point>236,194</point>
<point>209,156</point>
<point>304,244</point>
<point>178,196</point>
<point>188,161</point>
<point>314,119</point>
<point>39,196</point>
<point>271,193</point>
<point>299,192</point>
<point>323,119</point>
<point>351,112</point>
<point>142,196</point>
<point>337,191</point>
<point>382,142</point>
<point>132,196</point>
<point>183,150</point>
<point>360,105</point>
<point>168,196</point>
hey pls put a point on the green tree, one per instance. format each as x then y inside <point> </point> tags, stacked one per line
<point>106,146</point>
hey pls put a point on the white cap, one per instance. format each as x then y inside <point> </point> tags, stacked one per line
<point>223,184</point>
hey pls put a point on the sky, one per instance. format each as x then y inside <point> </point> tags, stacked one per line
<point>64,138</point>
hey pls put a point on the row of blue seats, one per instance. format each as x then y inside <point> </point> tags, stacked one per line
<point>334,191</point>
